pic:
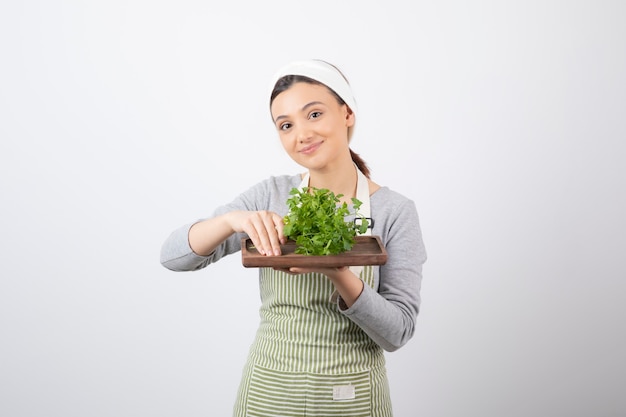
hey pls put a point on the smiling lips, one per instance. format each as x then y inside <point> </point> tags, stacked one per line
<point>311,148</point>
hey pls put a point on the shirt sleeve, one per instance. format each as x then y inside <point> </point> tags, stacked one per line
<point>176,253</point>
<point>388,315</point>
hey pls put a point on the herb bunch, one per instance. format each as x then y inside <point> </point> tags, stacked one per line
<point>316,222</point>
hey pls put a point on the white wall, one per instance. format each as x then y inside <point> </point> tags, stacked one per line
<point>121,120</point>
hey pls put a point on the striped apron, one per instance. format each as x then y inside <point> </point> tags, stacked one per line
<point>308,359</point>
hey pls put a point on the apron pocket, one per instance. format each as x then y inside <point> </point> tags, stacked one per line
<point>284,394</point>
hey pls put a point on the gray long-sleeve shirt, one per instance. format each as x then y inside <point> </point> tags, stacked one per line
<point>388,310</point>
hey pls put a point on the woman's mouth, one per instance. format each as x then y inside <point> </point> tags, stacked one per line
<point>311,148</point>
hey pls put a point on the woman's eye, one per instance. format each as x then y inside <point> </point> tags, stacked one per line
<point>315,114</point>
<point>285,126</point>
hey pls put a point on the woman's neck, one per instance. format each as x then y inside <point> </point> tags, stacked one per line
<point>342,180</point>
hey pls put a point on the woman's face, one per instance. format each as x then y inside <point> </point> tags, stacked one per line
<point>312,125</point>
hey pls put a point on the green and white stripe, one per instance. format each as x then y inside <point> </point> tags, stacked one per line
<point>298,394</point>
<point>304,348</point>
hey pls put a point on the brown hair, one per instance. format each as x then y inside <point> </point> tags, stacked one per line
<point>284,83</point>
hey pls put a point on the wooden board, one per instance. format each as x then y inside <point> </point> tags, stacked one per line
<point>367,250</point>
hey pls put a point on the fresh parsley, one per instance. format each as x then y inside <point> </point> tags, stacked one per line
<point>316,221</point>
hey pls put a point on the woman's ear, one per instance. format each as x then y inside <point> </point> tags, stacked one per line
<point>349,117</point>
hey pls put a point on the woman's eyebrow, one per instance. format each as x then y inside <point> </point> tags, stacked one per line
<point>306,106</point>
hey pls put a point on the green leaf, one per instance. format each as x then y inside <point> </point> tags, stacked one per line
<point>316,222</point>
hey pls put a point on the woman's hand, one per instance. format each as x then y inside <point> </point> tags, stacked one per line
<point>347,284</point>
<point>264,228</point>
<point>331,272</point>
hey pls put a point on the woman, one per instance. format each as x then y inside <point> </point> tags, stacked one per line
<point>319,350</point>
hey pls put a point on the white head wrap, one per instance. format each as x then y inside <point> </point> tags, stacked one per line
<point>324,73</point>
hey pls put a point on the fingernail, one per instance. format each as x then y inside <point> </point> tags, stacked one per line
<point>276,252</point>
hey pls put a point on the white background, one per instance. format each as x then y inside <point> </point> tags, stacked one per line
<point>121,120</point>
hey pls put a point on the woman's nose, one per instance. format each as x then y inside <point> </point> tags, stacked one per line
<point>304,135</point>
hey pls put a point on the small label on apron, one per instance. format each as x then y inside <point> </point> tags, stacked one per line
<point>344,392</point>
